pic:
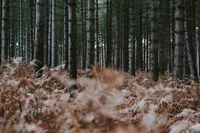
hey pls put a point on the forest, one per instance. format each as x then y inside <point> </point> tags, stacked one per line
<point>99,66</point>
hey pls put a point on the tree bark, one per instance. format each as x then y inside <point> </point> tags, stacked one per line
<point>39,36</point>
<point>5,31</point>
<point>179,40</point>
<point>72,42</point>
<point>154,40</point>
<point>53,30</point>
<point>132,33</point>
<point>90,34</point>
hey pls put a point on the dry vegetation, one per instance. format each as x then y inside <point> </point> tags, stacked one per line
<point>109,101</point>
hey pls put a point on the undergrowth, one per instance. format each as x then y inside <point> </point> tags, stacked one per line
<point>107,101</point>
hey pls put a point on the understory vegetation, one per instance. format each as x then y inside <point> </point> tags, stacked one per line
<point>107,101</point>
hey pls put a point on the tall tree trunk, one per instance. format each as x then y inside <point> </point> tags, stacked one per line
<point>132,33</point>
<point>90,34</point>
<point>126,36</point>
<point>66,45</point>
<point>173,35</point>
<point>190,39</point>
<point>50,36</point>
<point>72,42</point>
<point>97,31</point>
<point>31,27</point>
<point>179,40</point>
<point>5,31</point>
<point>118,35</point>
<point>154,40</point>
<point>54,46</point>
<point>46,30</point>
<point>21,31</point>
<point>147,34</point>
<point>12,31</point>
<point>39,36</point>
<point>109,34</point>
<point>0,27</point>
<point>162,37</point>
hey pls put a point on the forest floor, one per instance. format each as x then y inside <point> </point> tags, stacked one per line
<point>110,102</point>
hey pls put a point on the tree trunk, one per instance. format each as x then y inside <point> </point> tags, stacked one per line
<point>90,34</point>
<point>97,31</point>
<point>179,40</point>
<point>109,33</point>
<point>162,39</point>
<point>50,35</point>
<point>66,30</point>
<point>5,31</point>
<point>72,42</point>
<point>154,39</point>
<point>118,35</point>
<point>39,36</point>
<point>126,36</point>
<point>21,31</point>
<point>132,33</point>
<point>31,28</point>
<point>46,30</point>
<point>53,30</point>
<point>190,40</point>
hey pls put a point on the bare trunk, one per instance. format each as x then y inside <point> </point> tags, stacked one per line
<point>90,34</point>
<point>5,31</point>
<point>179,40</point>
<point>39,36</point>
<point>154,40</point>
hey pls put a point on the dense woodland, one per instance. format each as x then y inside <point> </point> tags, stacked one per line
<point>158,36</point>
<point>99,66</point>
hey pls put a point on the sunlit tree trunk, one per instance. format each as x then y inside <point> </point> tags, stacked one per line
<point>179,40</point>
<point>39,36</point>
<point>5,31</point>
<point>90,34</point>
<point>154,40</point>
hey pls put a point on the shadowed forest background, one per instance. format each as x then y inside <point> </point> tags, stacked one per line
<point>99,66</point>
<point>144,35</point>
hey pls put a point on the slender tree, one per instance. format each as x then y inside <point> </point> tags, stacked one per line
<point>179,40</point>
<point>154,40</point>
<point>90,34</point>
<point>39,36</point>
<point>21,30</point>
<point>118,35</point>
<point>53,31</point>
<point>0,28</point>
<point>5,31</point>
<point>66,45</point>
<point>31,27</point>
<point>190,30</point>
<point>126,36</point>
<point>132,33</point>
<point>97,31</point>
<point>72,42</point>
<point>109,33</point>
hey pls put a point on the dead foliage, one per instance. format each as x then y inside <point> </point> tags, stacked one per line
<point>107,101</point>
